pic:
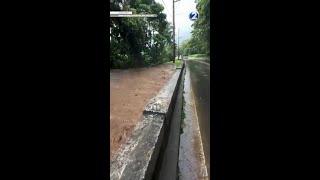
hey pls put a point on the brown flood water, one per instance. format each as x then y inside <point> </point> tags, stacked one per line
<point>130,90</point>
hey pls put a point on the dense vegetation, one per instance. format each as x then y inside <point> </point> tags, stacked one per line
<point>199,43</point>
<point>137,42</point>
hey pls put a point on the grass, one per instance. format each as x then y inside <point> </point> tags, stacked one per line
<point>178,63</point>
<point>198,55</point>
<point>201,57</point>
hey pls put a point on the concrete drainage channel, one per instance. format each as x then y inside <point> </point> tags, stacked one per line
<point>152,152</point>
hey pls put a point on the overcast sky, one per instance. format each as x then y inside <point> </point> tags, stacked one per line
<point>182,10</point>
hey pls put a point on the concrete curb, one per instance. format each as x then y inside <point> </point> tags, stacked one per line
<point>138,158</point>
<point>168,164</point>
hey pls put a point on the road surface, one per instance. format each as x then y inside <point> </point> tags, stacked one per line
<point>200,82</point>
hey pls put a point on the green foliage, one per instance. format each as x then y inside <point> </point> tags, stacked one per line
<point>198,55</point>
<point>199,42</point>
<point>137,42</point>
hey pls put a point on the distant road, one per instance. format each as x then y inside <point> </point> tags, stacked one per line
<point>201,61</point>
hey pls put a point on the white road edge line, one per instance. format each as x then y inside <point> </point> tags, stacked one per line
<point>203,166</point>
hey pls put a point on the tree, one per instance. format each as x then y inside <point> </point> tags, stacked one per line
<point>139,41</point>
<point>199,42</point>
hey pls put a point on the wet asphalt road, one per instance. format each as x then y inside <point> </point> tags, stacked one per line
<point>200,83</point>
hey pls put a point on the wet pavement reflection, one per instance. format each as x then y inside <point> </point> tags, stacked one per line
<point>191,155</point>
<point>200,84</point>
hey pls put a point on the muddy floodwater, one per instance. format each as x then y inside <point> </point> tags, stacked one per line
<point>191,155</point>
<point>130,90</point>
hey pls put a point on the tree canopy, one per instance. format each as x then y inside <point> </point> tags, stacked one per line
<point>137,42</point>
<point>199,43</point>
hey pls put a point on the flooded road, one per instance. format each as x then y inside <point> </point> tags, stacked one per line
<point>200,84</point>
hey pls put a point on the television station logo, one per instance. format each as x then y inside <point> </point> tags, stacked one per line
<point>193,15</point>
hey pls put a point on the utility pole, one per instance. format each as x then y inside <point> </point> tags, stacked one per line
<point>178,45</point>
<point>174,32</point>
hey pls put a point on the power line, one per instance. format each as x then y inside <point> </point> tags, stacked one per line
<point>174,32</point>
<point>166,8</point>
<point>180,13</point>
